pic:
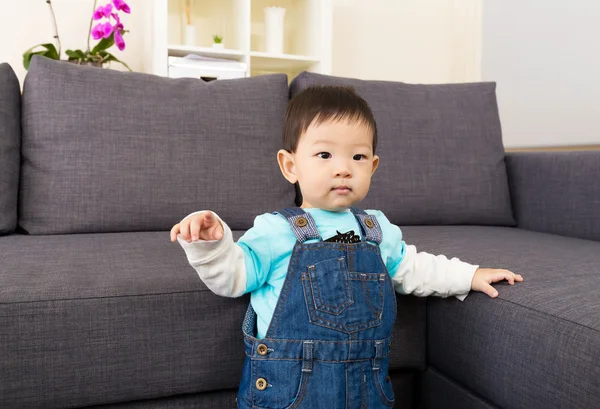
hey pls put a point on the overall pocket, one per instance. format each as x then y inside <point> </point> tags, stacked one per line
<point>329,285</point>
<point>342,300</point>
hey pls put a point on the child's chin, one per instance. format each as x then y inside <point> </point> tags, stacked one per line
<point>339,205</point>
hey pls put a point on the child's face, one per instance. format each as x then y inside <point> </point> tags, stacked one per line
<point>333,164</point>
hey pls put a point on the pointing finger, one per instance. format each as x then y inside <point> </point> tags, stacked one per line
<point>208,220</point>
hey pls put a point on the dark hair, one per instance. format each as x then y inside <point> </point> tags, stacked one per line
<point>319,104</point>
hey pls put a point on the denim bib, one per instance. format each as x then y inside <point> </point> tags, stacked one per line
<point>328,342</point>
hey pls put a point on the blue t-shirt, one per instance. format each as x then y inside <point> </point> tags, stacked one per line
<point>268,247</point>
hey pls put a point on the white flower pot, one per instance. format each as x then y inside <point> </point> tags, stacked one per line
<point>274,18</point>
<point>218,46</point>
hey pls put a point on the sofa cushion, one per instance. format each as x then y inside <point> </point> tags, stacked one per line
<point>90,319</point>
<point>437,391</point>
<point>442,158</point>
<point>556,192</point>
<point>10,140</point>
<point>226,398</point>
<point>108,151</point>
<point>538,344</point>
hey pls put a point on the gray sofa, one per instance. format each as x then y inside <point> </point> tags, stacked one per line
<point>99,309</point>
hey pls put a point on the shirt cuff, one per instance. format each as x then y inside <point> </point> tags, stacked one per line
<point>202,251</point>
<point>464,277</point>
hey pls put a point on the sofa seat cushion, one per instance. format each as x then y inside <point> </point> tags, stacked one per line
<point>100,318</point>
<point>538,344</point>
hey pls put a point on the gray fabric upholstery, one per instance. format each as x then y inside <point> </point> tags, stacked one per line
<point>439,392</point>
<point>442,159</point>
<point>404,389</point>
<point>556,192</point>
<point>10,140</point>
<point>94,318</point>
<point>113,317</point>
<point>130,152</point>
<point>225,399</point>
<point>538,344</point>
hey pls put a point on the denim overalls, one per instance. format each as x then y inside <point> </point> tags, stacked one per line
<point>328,342</point>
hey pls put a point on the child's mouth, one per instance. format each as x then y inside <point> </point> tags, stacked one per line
<point>342,190</point>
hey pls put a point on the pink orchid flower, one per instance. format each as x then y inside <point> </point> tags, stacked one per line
<point>103,11</point>
<point>121,5</point>
<point>102,30</point>
<point>118,30</point>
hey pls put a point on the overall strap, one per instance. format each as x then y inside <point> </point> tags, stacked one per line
<point>369,225</point>
<point>302,223</point>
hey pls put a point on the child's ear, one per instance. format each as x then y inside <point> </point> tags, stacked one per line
<point>375,163</point>
<point>286,165</point>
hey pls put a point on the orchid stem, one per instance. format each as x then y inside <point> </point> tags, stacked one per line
<point>90,29</point>
<point>55,26</point>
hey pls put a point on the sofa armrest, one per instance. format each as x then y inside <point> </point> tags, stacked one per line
<point>556,192</point>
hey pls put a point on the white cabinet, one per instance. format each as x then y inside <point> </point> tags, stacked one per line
<point>241,23</point>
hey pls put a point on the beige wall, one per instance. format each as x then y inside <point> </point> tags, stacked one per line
<point>406,40</point>
<point>428,41</point>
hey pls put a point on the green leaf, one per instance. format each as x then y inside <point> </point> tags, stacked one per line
<point>50,52</point>
<point>75,54</point>
<point>109,57</point>
<point>104,44</point>
<point>27,58</point>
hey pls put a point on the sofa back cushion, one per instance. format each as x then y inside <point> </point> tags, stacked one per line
<point>106,150</point>
<point>440,148</point>
<point>10,140</point>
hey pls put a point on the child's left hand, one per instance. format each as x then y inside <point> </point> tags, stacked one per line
<point>485,276</point>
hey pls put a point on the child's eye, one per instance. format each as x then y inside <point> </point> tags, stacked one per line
<point>324,155</point>
<point>359,157</point>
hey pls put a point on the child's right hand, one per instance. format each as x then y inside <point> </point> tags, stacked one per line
<point>201,226</point>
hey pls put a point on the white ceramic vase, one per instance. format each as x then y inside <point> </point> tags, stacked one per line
<point>189,36</point>
<point>274,29</point>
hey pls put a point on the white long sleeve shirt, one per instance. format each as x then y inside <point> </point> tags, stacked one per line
<point>258,262</point>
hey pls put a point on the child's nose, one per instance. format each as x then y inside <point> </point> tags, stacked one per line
<point>343,170</point>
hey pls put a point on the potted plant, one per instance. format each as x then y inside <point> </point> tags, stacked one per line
<point>109,30</point>
<point>218,41</point>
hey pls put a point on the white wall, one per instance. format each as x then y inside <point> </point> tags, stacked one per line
<point>545,57</point>
<point>406,40</point>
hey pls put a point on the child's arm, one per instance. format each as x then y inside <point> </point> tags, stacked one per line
<point>423,274</point>
<point>210,250</point>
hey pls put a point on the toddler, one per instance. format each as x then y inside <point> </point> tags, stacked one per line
<point>322,277</point>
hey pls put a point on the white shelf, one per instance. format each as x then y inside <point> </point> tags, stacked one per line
<point>183,50</point>
<point>281,62</point>
<point>307,41</point>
